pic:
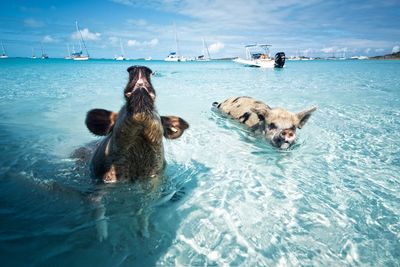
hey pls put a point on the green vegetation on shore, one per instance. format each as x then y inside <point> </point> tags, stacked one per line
<point>388,56</point>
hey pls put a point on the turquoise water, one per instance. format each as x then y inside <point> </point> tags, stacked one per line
<point>332,200</point>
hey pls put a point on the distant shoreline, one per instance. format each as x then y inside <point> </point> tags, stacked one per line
<point>393,56</point>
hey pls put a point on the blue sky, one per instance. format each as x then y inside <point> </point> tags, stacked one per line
<point>146,28</point>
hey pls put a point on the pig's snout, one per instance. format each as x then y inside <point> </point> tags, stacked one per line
<point>287,136</point>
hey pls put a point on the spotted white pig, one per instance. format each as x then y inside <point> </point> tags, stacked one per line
<point>276,124</point>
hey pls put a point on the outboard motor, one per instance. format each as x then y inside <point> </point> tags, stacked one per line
<point>279,60</point>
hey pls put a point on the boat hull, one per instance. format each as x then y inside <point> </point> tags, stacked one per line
<point>80,58</point>
<point>259,63</point>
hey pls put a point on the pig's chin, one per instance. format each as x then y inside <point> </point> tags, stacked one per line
<point>281,145</point>
<point>140,102</point>
<point>284,146</point>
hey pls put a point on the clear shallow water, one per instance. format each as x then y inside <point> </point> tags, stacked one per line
<point>331,200</point>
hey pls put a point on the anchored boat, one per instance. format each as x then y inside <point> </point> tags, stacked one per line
<point>79,55</point>
<point>175,55</point>
<point>122,56</point>
<point>3,55</point>
<point>206,53</point>
<point>257,55</point>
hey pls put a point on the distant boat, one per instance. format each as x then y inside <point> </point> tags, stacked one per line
<point>69,53</point>
<point>3,54</point>
<point>206,53</point>
<point>175,55</point>
<point>343,57</point>
<point>148,58</point>
<point>79,55</point>
<point>121,57</point>
<point>33,53</point>
<point>172,57</point>
<point>44,55</point>
<point>257,55</point>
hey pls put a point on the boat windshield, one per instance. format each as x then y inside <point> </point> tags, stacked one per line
<point>257,51</point>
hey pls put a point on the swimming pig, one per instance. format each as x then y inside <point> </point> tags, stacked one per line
<point>277,124</point>
<point>133,144</point>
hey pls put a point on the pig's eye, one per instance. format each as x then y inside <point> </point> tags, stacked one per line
<point>272,126</point>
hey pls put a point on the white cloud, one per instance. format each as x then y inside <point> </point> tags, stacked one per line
<point>329,49</point>
<point>123,2</point>
<point>367,50</point>
<point>152,42</point>
<point>137,22</point>
<point>49,39</point>
<point>113,40</point>
<point>216,47</point>
<point>134,43</point>
<point>87,35</point>
<point>396,49</point>
<point>33,23</point>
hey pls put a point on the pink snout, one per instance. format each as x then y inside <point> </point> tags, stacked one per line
<point>288,135</point>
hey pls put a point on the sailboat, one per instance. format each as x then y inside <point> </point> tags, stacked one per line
<point>44,55</point>
<point>3,55</point>
<point>69,53</point>
<point>33,53</point>
<point>206,53</point>
<point>79,55</point>
<point>121,57</point>
<point>175,55</point>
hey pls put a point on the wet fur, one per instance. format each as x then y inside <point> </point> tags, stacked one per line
<point>133,145</point>
<point>277,124</point>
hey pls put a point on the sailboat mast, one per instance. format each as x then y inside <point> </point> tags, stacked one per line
<point>79,33</point>
<point>69,52</point>
<point>122,48</point>
<point>205,47</point>
<point>83,41</point>
<point>177,42</point>
<point>2,46</point>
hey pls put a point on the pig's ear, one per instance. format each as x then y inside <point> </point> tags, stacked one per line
<point>100,121</point>
<point>173,126</point>
<point>303,116</point>
<point>262,113</point>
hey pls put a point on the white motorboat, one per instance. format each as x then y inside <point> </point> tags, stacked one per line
<point>257,55</point>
